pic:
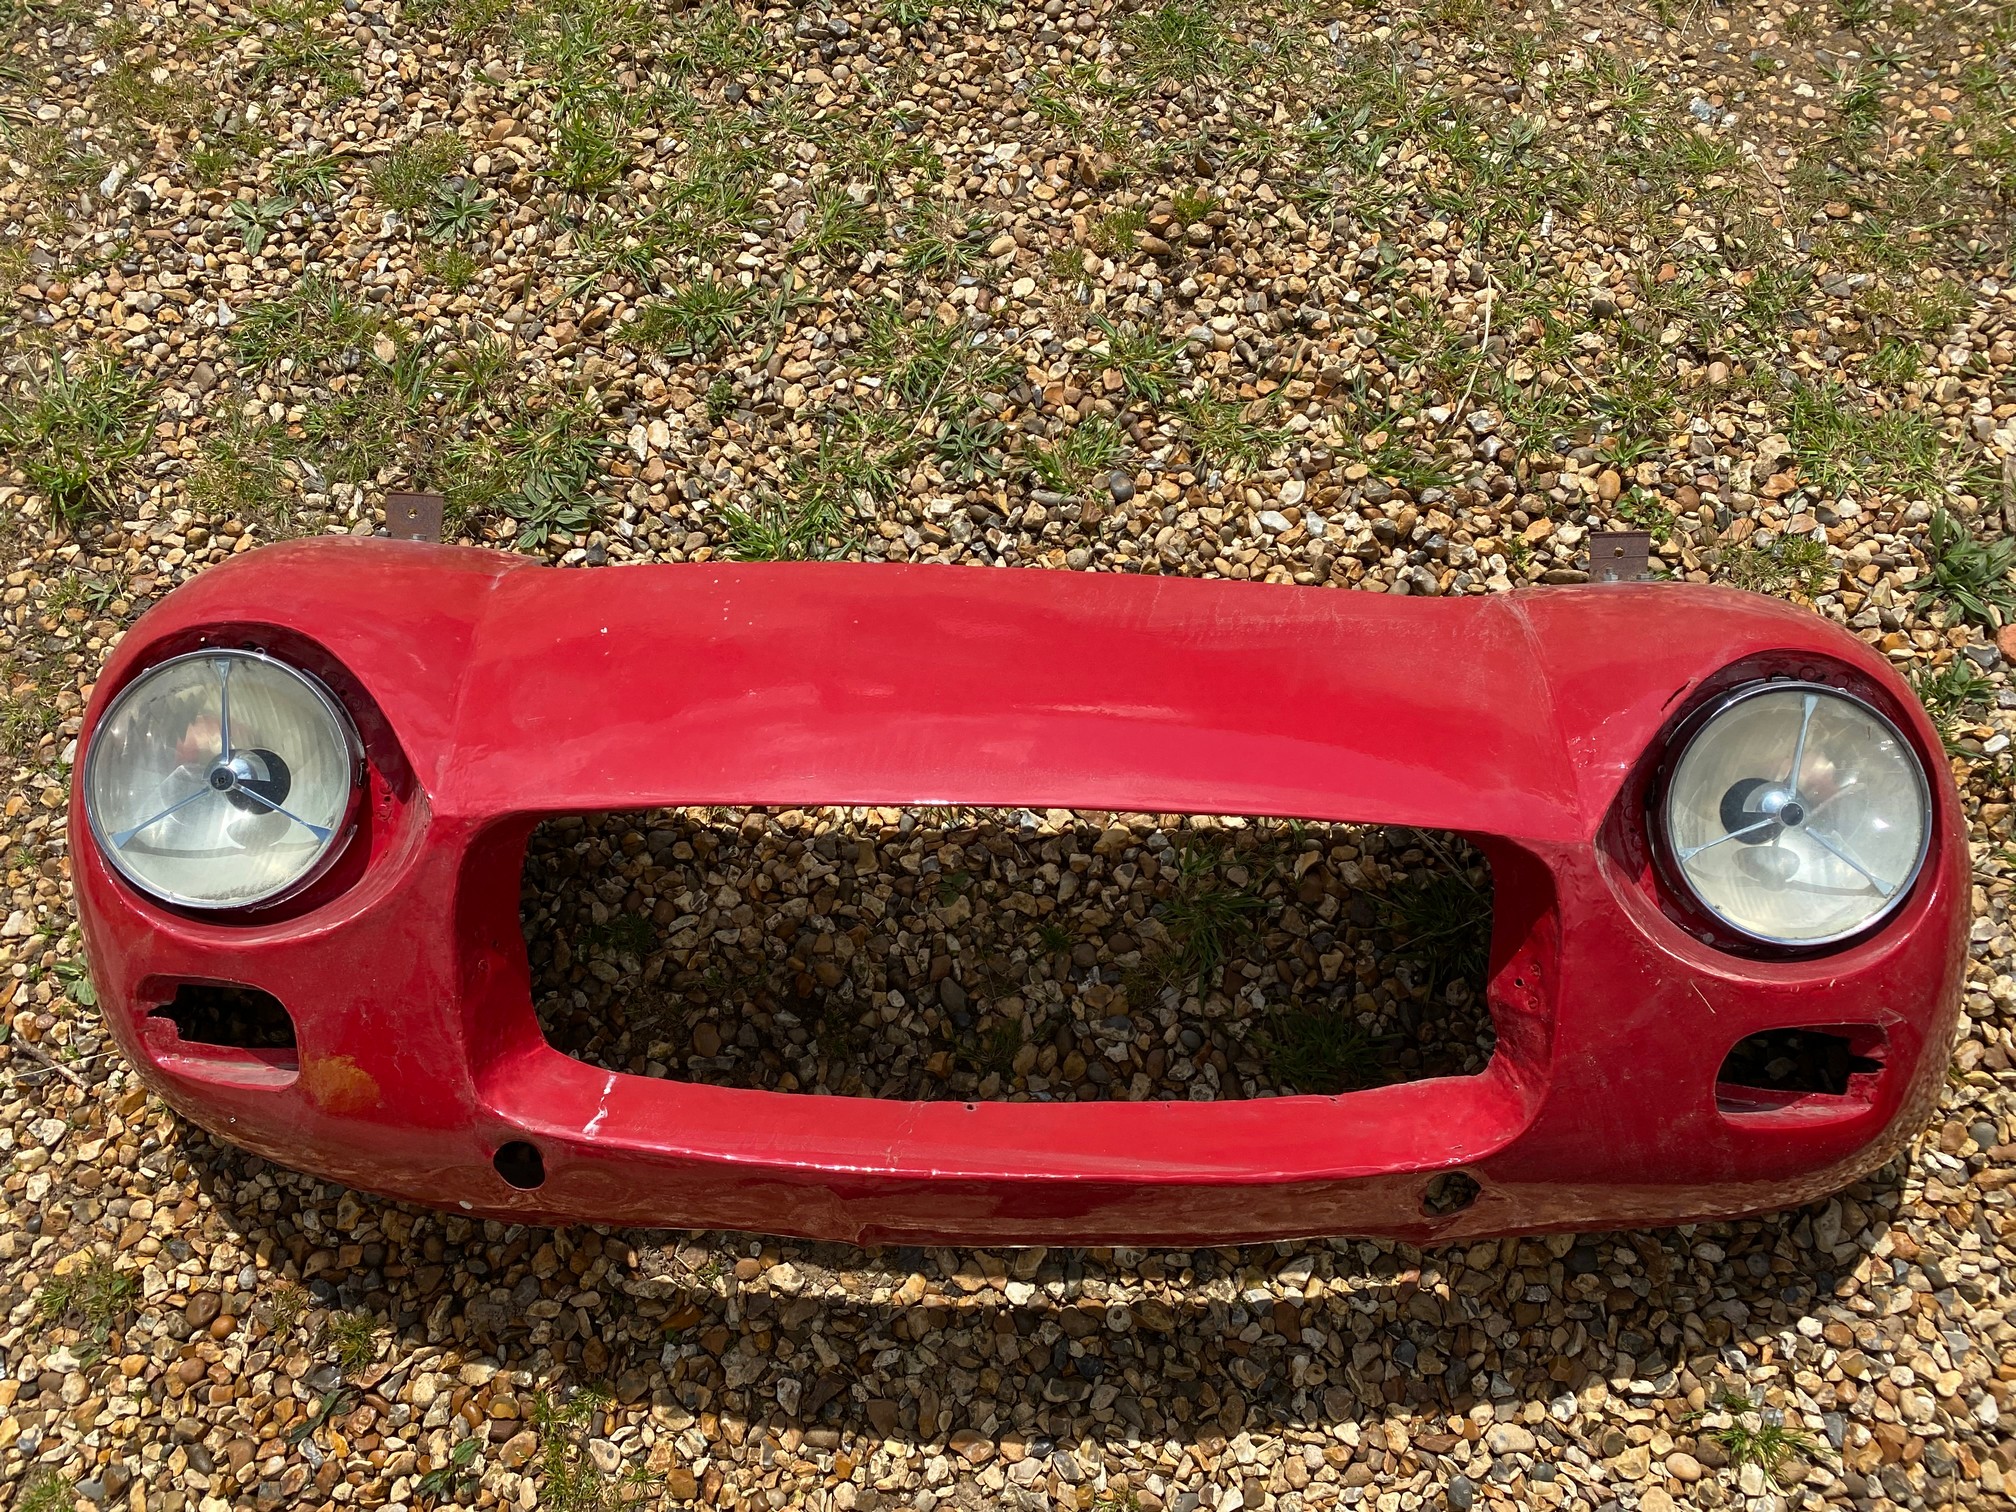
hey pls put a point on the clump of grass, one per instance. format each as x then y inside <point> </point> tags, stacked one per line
<point>1766,1443</point>
<point>455,267</point>
<point>572,1481</point>
<point>1967,574</point>
<point>46,1491</point>
<point>1955,692</point>
<point>1841,444</point>
<point>1319,1051</point>
<point>1113,234</point>
<point>1145,360</point>
<point>838,227</point>
<point>95,1297</point>
<point>940,240</point>
<point>315,324</point>
<point>1073,462</point>
<point>1227,432</point>
<point>591,140</point>
<point>696,320</point>
<point>76,430</point>
<point>1183,40</point>
<point>408,177</point>
<point>993,1053</point>
<point>1442,923</point>
<point>1789,564</point>
<point>353,1338</point>
<point>1206,918</point>
<point>297,48</point>
<point>285,1307</point>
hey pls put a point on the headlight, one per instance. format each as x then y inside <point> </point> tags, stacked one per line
<point>1797,814</point>
<point>221,779</point>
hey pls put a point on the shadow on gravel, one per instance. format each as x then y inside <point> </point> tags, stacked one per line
<point>821,1346</point>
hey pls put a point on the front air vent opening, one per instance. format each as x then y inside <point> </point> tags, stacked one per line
<point>1008,955</point>
<point>1780,1067</point>
<point>228,1017</point>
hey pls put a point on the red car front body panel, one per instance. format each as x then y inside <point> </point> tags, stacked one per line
<point>493,692</point>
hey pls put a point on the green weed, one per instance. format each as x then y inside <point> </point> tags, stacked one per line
<point>1145,360</point>
<point>258,219</point>
<point>76,430</point>
<point>95,1297</point>
<point>455,1478</point>
<point>1321,1052</point>
<point>1183,40</point>
<point>353,1337</point>
<point>1968,575</point>
<point>1206,919</point>
<point>1074,462</point>
<point>1956,692</point>
<point>696,320</point>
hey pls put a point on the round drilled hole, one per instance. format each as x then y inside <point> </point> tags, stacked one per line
<point>1448,1193</point>
<point>520,1164</point>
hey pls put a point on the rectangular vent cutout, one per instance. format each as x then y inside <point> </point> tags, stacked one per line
<point>1782,1066</point>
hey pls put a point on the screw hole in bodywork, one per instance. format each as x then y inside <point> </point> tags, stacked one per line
<point>520,1164</point>
<point>1448,1194</point>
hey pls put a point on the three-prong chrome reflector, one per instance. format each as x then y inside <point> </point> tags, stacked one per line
<point>221,779</point>
<point>1797,814</point>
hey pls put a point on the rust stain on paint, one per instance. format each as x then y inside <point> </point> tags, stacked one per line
<point>340,1085</point>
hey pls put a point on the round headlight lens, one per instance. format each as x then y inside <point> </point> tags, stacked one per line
<point>1797,814</point>
<point>221,779</point>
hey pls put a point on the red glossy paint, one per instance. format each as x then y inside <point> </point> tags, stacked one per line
<point>493,692</point>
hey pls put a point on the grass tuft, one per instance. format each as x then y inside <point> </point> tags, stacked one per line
<point>77,430</point>
<point>95,1297</point>
<point>353,1337</point>
<point>1320,1052</point>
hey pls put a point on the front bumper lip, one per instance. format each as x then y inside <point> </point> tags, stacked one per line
<point>505,692</point>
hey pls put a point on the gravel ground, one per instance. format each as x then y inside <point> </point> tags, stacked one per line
<point>1404,300</point>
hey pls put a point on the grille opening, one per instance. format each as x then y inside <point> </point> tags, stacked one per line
<point>231,1017</point>
<point>1007,955</point>
<point>1795,1062</point>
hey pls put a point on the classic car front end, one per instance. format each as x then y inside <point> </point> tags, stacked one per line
<point>308,777</point>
